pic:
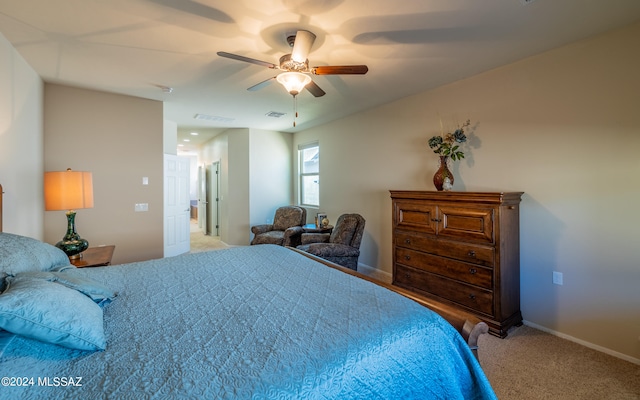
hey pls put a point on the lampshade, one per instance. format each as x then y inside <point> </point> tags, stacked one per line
<point>68,190</point>
<point>294,82</point>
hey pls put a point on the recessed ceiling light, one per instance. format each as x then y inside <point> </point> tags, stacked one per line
<point>180,145</point>
<point>194,133</point>
<point>186,140</point>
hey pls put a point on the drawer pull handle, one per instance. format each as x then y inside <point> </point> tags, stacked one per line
<point>473,270</point>
<point>407,241</point>
<point>436,220</point>
<point>472,296</point>
<point>407,276</point>
<point>471,253</point>
<point>407,257</point>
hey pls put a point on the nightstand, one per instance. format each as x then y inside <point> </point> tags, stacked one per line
<point>313,228</point>
<point>95,257</point>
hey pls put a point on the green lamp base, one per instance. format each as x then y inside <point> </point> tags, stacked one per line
<point>72,244</point>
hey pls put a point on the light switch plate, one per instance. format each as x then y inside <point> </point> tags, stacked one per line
<point>557,278</point>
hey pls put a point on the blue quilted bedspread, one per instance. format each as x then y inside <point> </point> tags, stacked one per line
<point>258,322</point>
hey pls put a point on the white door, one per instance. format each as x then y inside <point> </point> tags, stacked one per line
<point>202,200</point>
<point>176,205</point>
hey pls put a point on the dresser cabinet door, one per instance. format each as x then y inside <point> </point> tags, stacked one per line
<point>417,217</point>
<point>467,223</point>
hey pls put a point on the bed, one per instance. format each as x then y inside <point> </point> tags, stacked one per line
<point>260,322</point>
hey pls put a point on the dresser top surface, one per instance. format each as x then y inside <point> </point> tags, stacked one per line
<point>492,197</point>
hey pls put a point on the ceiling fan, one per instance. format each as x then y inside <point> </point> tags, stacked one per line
<point>296,68</point>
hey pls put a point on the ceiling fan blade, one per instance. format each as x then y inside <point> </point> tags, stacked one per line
<point>340,70</point>
<point>314,89</point>
<point>247,59</point>
<point>302,46</point>
<point>262,84</point>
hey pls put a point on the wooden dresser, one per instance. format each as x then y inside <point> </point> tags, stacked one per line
<point>462,248</point>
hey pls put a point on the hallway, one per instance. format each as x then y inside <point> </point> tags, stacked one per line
<point>201,242</point>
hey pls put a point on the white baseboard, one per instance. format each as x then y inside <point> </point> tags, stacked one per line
<point>374,273</point>
<point>583,343</point>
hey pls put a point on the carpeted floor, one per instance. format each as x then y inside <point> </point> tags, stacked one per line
<point>530,364</point>
<point>201,242</point>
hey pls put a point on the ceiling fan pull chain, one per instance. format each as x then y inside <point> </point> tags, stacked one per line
<point>295,109</point>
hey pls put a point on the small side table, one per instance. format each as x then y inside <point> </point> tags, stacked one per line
<point>313,228</point>
<point>95,257</point>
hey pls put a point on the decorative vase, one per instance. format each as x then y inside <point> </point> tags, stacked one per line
<point>442,173</point>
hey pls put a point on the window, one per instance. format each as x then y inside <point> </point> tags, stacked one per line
<point>309,156</point>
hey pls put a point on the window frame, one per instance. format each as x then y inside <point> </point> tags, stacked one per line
<point>302,175</point>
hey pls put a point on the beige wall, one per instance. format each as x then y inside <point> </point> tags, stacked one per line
<point>170,137</point>
<point>561,127</point>
<point>120,140</point>
<point>238,186</point>
<point>21,144</point>
<point>270,174</point>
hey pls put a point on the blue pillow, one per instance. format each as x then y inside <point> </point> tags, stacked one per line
<point>66,276</point>
<point>23,254</point>
<point>52,313</point>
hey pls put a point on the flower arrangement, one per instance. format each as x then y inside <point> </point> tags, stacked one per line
<point>447,144</point>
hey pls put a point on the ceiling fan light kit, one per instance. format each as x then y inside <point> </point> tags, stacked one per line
<point>293,82</point>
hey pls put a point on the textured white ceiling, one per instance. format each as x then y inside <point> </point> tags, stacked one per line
<point>135,47</point>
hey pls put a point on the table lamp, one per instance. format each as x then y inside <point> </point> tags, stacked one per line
<point>69,190</point>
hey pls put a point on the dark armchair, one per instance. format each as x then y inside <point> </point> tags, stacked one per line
<point>342,246</point>
<point>286,229</point>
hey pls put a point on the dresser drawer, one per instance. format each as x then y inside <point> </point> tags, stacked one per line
<point>470,296</point>
<point>469,273</point>
<point>476,254</point>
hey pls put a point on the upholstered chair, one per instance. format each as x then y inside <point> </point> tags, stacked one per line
<point>342,246</point>
<point>286,229</point>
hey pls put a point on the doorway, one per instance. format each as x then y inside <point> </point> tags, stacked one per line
<point>213,198</point>
<point>209,199</point>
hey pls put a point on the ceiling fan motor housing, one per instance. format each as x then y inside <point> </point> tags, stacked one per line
<point>287,64</point>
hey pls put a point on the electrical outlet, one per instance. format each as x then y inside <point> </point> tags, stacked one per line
<point>141,207</point>
<point>557,278</point>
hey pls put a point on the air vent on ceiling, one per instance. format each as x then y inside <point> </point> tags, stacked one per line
<point>275,114</point>
<point>212,118</point>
